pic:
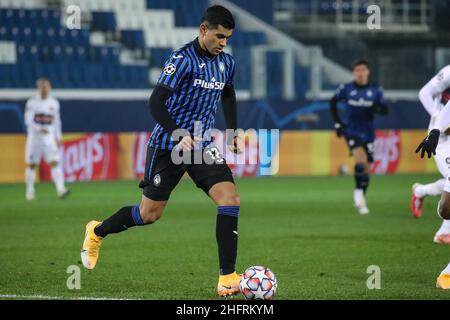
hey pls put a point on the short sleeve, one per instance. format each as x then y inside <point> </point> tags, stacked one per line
<point>174,70</point>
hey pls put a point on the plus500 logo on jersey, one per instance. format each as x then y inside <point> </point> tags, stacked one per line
<point>209,85</point>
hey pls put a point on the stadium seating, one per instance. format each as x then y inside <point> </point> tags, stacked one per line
<point>35,42</point>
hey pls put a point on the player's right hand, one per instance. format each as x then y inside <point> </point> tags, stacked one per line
<point>234,146</point>
<point>429,144</point>
<point>187,143</point>
<point>339,127</point>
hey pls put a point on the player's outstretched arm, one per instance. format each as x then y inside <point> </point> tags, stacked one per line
<point>427,95</point>
<point>338,125</point>
<point>433,89</point>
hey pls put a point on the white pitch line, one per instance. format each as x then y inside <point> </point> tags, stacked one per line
<point>44,297</point>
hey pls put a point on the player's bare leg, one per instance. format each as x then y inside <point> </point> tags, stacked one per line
<point>58,179</point>
<point>443,234</point>
<point>147,212</point>
<point>30,176</point>
<point>225,196</point>
<point>362,170</point>
<point>421,191</point>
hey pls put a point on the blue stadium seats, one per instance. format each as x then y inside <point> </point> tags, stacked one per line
<point>248,38</point>
<point>44,47</point>
<point>132,39</point>
<point>186,12</point>
<point>196,6</point>
<point>26,74</point>
<point>5,79</point>
<point>302,80</point>
<point>242,56</point>
<point>158,56</point>
<point>103,21</point>
<point>275,70</point>
<point>102,55</point>
<point>77,37</point>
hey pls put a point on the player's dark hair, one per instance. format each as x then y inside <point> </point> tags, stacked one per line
<point>217,15</point>
<point>360,62</point>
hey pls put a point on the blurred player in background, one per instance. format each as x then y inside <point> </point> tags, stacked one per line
<point>363,99</point>
<point>429,146</point>
<point>434,96</point>
<point>43,122</point>
<point>194,79</point>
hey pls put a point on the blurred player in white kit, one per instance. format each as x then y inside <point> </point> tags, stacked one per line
<point>432,145</point>
<point>43,122</point>
<point>434,97</point>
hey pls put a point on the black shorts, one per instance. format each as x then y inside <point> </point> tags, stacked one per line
<point>353,143</point>
<point>162,174</point>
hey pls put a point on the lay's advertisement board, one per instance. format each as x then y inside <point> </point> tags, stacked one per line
<point>111,156</point>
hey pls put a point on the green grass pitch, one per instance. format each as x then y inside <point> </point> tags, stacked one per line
<point>304,228</point>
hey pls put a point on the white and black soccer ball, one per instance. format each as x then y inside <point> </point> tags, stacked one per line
<point>258,283</point>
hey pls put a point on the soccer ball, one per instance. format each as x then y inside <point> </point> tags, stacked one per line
<point>258,283</point>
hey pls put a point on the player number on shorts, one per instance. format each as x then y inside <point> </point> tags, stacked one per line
<point>214,154</point>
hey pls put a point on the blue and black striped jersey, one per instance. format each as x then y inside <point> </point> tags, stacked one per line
<point>197,80</point>
<point>359,112</point>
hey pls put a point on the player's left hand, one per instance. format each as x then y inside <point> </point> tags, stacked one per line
<point>234,147</point>
<point>429,144</point>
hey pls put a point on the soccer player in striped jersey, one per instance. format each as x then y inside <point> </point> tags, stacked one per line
<point>184,103</point>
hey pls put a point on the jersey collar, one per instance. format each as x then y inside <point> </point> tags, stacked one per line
<point>359,86</point>
<point>202,52</point>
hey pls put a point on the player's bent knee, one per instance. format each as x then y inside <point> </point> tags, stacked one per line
<point>230,200</point>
